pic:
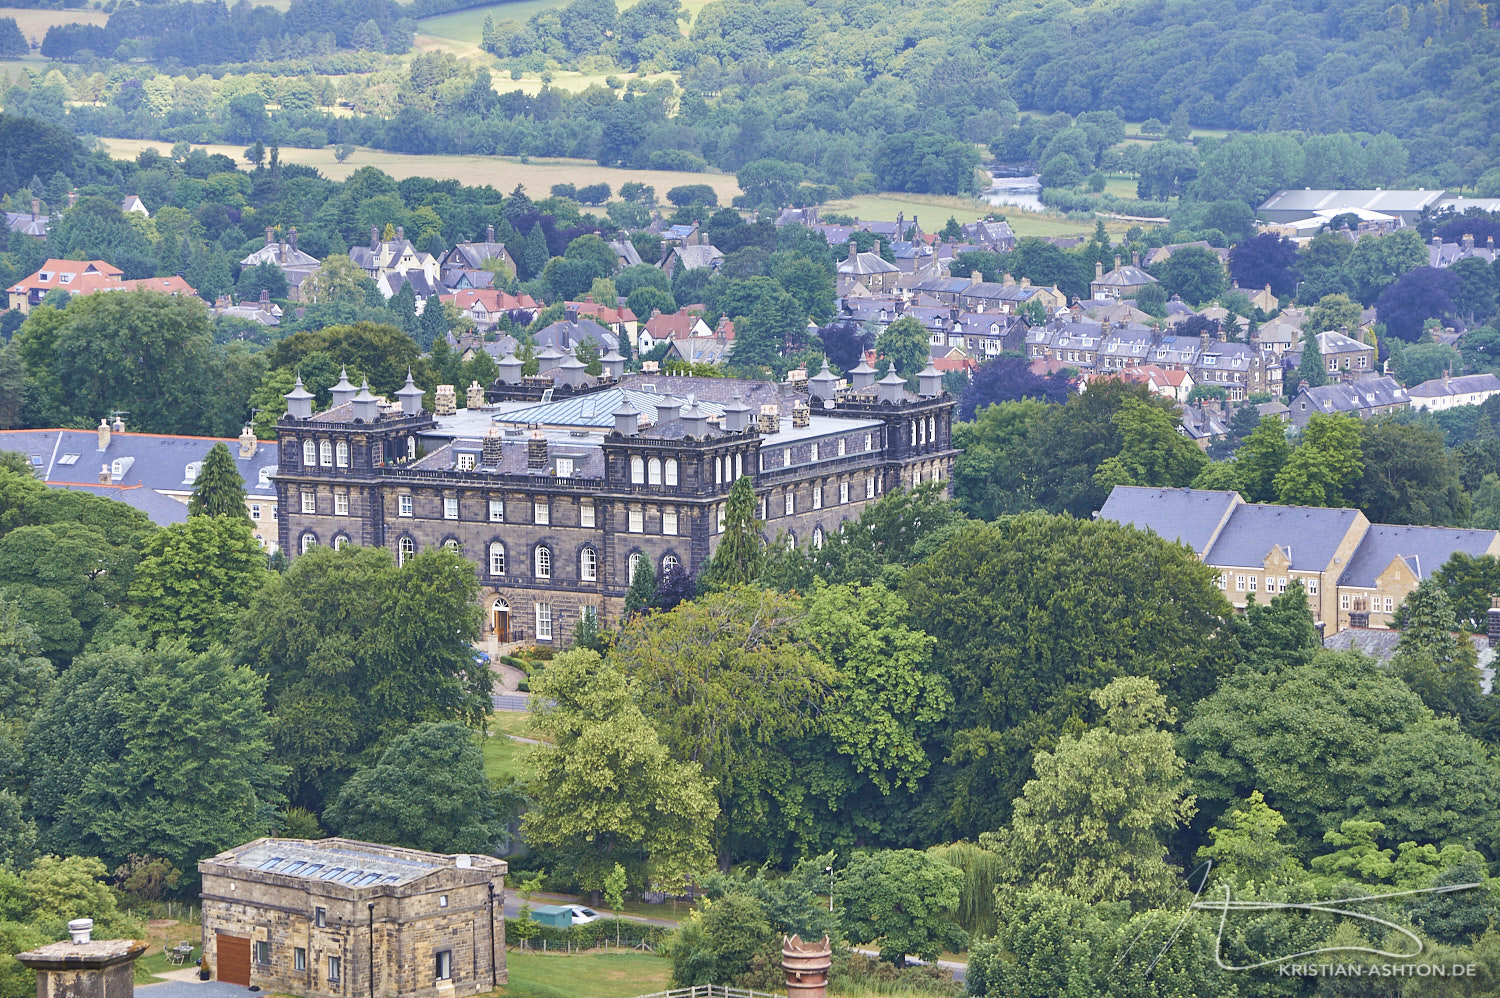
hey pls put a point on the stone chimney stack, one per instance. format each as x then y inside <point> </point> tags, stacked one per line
<point>536,451</point>
<point>248,443</point>
<point>84,967</point>
<point>474,396</point>
<point>270,235</point>
<point>374,237</point>
<point>265,299</point>
<point>445,403</point>
<point>853,249</point>
<point>1493,622</point>
<point>118,425</point>
<point>291,238</point>
<point>492,450</point>
<point>36,209</point>
<point>400,233</point>
<point>104,434</point>
<point>489,233</point>
<point>806,966</point>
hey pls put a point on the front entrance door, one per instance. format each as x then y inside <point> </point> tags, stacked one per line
<point>501,620</point>
<point>234,959</point>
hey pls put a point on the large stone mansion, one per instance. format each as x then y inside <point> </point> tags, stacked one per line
<point>555,486</point>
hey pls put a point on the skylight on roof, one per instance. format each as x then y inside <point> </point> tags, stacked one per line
<point>65,459</point>
<point>270,862</point>
<point>331,874</point>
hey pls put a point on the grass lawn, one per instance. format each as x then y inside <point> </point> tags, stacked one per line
<point>503,172</point>
<point>586,975</point>
<point>34,23</point>
<point>502,755</point>
<point>161,933</point>
<point>466,25</point>
<point>936,209</point>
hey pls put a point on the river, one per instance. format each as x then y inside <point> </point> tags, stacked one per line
<point>1019,192</point>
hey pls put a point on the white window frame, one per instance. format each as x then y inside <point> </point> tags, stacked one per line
<point>541,513</point>
<point>636,521</point>
<point>669,522</point>
<point>544,621</point>
<point>637,470</point>
<point>325,453</point>
<point>450,507</point>
<point>669,562</point>
<point>653,471</point>
<point>790,504</point>
<point>341,504</point>
<point>465,462</point>
<point>843,447</point>
<point>541,562</point>
<point>335,969</point>
<point>406,548</point>
<point>586,514</point>
<point>309,502</point>
<point>497,510</point>
<point>443,964</point>
<point>870,487</point>
<point>812,451</point>
<point>817,497</point>
<point>497,558</point>
<point>404,505</point>
<point>341,454</point>
<point>1312,587</point>
<point>843,492</point>
<point>588,565</point>
<point>309,454</point>
<point>255,511</point>
<point>671,471</point>
<point>1239,583</point>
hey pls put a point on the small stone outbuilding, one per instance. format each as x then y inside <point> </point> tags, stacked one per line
<point>337,918</point>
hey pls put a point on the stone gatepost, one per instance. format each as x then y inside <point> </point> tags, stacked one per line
<point>83,967</point>
<point>806,966</point>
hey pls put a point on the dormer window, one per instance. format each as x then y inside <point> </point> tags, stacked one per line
<point>66,278</point>
<point>190,473</point>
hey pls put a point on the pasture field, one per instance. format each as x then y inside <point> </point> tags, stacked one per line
<point>503,172</point>
<point>936,209</point>
<point>466,25</point>
<point>34,23</point>
<point>596,975</point>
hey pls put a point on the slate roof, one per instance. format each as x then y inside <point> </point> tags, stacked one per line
<point>359,864</point>
<point>1464,385</point>
<point>1189,516</point>
<point>26,223</point>
<point>1308,535</point>
<point>867,263</point>
<point>563,334</point>
<point>155,464</point>
<point>1355,396</point>
<point>1125,276</point>
<point>1424,549</point>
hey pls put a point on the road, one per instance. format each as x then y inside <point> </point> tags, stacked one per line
<point>958,969</point>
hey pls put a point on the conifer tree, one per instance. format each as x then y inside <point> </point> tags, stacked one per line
<point>220,491</point>
<point>642,587</point>
<point>737,559</point>
<point>1310,370</point>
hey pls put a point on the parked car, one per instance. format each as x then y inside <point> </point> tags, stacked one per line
<point>582,915</point>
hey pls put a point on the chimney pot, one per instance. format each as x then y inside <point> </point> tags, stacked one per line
<point>270,237</point>
<point>536,451</point>
<point>400,233</point>
<point>248,443</point>
<point>489,233</point>
<point>81,929</point>
<point>36,208</point>
<point>103,434</point>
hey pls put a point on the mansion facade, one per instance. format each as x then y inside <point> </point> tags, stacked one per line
<point>555,488</point>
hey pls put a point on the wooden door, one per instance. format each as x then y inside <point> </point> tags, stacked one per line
<point>234,959</point>
<point>501,611</point>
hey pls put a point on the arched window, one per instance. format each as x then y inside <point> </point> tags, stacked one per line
<point>451,545</point>
<point>309,541</point>
<point>340,542</point>
<point>653,471</point>
<point>411,448</point>
<point>637,471</point>
<point>342,452</point>
<point>718,471</point>
<point>544,562</point>
<point>671,471</point>
<point>932,429</point>
<point>668,563</point>
<point>588,565</point>
<point>913,434</point>
<point>497,558</point>
<point>739,466</point>
<point>633,562</point>
<point>405,548</point>
<point>791,539</point>
<point>818,538</point>
<point>325,453</point>
<point>309,453</point>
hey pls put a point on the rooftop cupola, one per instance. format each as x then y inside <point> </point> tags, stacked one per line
<point>299,401</point>
<point>410,396</point>
<point>343,391</point>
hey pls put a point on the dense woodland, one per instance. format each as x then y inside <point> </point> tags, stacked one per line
<point>864,97</point>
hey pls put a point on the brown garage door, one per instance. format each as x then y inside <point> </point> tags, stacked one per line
<point>234,959</point>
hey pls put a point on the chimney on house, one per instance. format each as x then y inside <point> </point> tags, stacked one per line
<point>853,249</point>
<point>445,402</point>
<point>104,476</point>
<point>248,443</point>
<point>806,965</point>
<point>118,425</point>
<point>1117,261</point>
<point>400,233</point>
<point>1098,269</point>
<point>1135,259</point>
<point>374,237</point>
<point>265,299</point>
<point>1025,282</point>
<point>474,396</point>
<point>1468,240</point>
<point>83,967</point>
<point>104,434</point>
<point>72,198</point>
<point>1437,242</point>
<point>270,235</point>
<point>536,451</point>
<point>36,209</point>
<point>1493,622</point>
<point>878,244</point>
<point>489,233</point>
<point>491,449</point>
<point>291,238</point>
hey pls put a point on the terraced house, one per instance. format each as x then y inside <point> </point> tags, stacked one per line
<point>555,486</point>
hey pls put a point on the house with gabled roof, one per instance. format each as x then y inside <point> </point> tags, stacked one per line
<point>393,263</point>
<point>463,265</point>
<point>1449,392</point>
<point>284,255</point>
<point>72,276</point>
<point>1125,281</point>
<point>1364,399</point>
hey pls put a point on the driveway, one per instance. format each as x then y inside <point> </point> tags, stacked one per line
<point>192,989</point>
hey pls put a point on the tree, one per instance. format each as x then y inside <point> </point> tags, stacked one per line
<point>605,790</point>
<point>1193,273</point>
<point>1406,303</point>
<point>1152,452</point>
<point>428,792</point>
<point>987,474</point>
<point>1051,636</point>
<point>12,42</point>
<point>1408,475</point>
<point>1375,263</point>
<point>1247,846</point>
<point>219,489</point>
<point>729,684</point>
<point>1278,633</point>
<point>1469,582</point>
<point>1260,458</point>
<point>196,578</point>
<point>1415,363</point>
<point>905,344</point>
<point>1007,379</point>
<point>1333,313</point>
<point>183,772</point>
<point>355,650</point>
<point>1310,371</point>
<point>1266,259</point>
<point>338,280</point>
<point>736,561</point>
<point>1325,465</point>
<point>900,898</point>
<point>1095,820</point>
<point>638,598</point>
<point>719,940</point>
<point>1440,667</point>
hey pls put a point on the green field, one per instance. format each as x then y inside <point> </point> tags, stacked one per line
<point>34,23</point>
<point>466,25</point>
<point>502,755</point>
<point>587,975</point>
<point>933,211</point>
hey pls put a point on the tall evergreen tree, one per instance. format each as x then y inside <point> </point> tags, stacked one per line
<point>642,587</point>
<point>1310,369</point>
<point>220,491</point>
<point>432,324</point>
<point>738,557</point>
<point>535,256</point>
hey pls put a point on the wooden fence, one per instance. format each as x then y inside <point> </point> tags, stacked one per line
<point>711,991</point>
